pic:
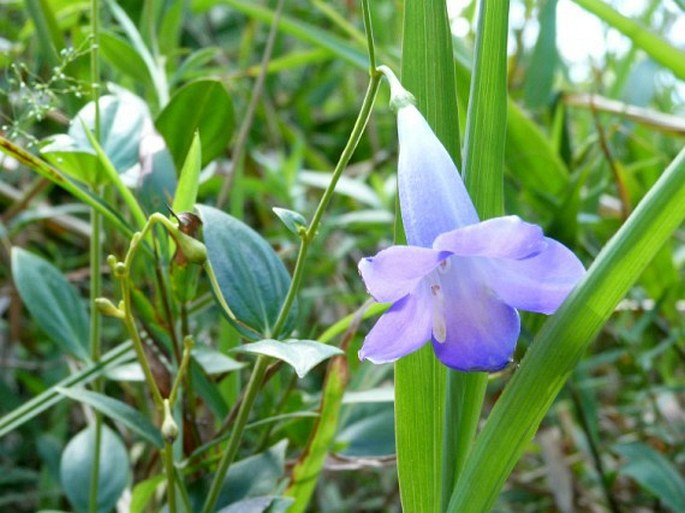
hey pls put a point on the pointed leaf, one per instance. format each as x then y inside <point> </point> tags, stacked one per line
<point>653,472</point>
<point>252,279</point>
<point>292,220</point>
<point>189,180</point>
<point>117,410</point>
<point>301,355</point>
<point>52,301</point>
<point>203,106</point>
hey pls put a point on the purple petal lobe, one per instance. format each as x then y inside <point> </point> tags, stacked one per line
<point>539,283</point>
<point>481,330</point>
<point>433,198</point>
<point>501,237</point>
<point>395,272</point>
<point>403,329</point>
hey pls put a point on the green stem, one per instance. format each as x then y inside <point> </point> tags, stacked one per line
<point>234,441</point>
<point>308,235</point>
<point>170,476</point>
<point>95,256</point>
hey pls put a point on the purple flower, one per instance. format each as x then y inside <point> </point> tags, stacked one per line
<point>459,282</point>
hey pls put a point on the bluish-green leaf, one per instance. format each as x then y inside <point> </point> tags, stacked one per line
<point>259,505</point>
<point>76,469</point>
<point>52,301</point>
<point>122,118</point>
<point>301,355</point>
<point>203,106</point>
<point>214,362</point>
<point>653,472</point>
<point>254,476</point>
<point>252,279</point>
<point>293,221</point>
<point>117,410</point>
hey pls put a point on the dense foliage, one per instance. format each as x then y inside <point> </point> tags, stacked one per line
<point>245,108</point>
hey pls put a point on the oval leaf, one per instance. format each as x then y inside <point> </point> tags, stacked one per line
<point>252,279</point>
<point>77,464</point>
<point>52,301</point>
<point>301,355</point>
<point>116,410</point>
<point>202,106</point>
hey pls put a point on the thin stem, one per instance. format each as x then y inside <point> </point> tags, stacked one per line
<point>308,235</point>
<point>234,441</point>
<point>245,128</point>
<point>95,255</point>
<point>366,11</point>
<point>132,329</point>
<point>170,476</point>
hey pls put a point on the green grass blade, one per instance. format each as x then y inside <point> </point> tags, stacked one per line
<point>420,379</point>
<point>487,114</point>
<point>58,178</point>
<point>486,128</point>
<point>564,338</point>
<point>296,28</point>
<point>657,48</point>
<point>121,354</point>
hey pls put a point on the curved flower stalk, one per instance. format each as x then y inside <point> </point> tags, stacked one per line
<point>459,282</point>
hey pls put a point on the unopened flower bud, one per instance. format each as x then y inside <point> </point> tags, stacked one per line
<point>106,307</point>
<point>169,427</point>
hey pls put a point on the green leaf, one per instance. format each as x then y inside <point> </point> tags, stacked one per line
<point>117,410</point>
<point>123,57</point>
<point>301,355</point>
<point>420,379</point>
<point>294,27</point>
<point>202,106</point>
<point>653,472</point>
<point>259,505</point>
<point>143,492</point>
<point>37,405</point>
<point>155,70</point>
<point>76,469</point>
<point>563,339</point>
<point>189,180</point>
<point>254,476</point>
<point>657,47</point>
<point>214,362</point>
<point>52,301</point>
<point>540,71</point>
<point>251,277</point>
<point>305,473</point>
<point>57,177</point>
<point>293,221</point>
<point>122,119</point>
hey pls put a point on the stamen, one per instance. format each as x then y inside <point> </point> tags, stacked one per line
<point>439,324</point>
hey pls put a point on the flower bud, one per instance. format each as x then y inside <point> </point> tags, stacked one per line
<point>169,427</point>
<point>106,307</point>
